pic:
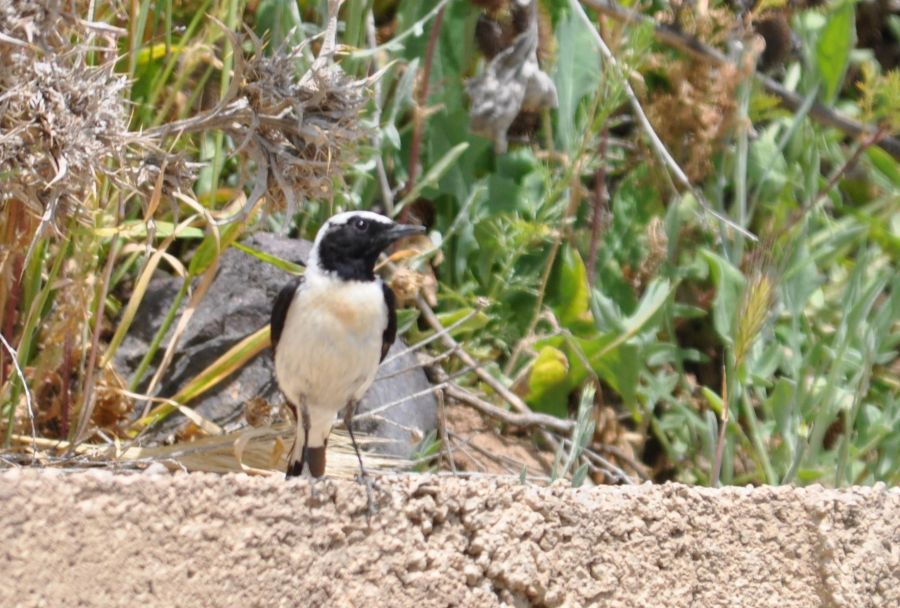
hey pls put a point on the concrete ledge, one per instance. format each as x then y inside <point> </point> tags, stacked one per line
<point>103,539</point>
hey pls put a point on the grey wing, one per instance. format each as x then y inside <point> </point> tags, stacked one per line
<point>280,309</point>
<point>390,332</point>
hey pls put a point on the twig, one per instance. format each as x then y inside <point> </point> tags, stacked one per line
<point>720,441</point>
<point>533,419</point>
<point>66,388</point>
<point>464,446</point>
<point>421,102</point>
<point>15,219</point>
<point>639,468</point>
<point>442,425</point>
<point>418,365</point>
<point>551,423</point>
<point>600,463</point>
<point>387,195</point>
<point>508,463</point>
<point>438,334</point>
<point>498,387</point>
<point>600,203</point>
<point>88,401</point>
<point>833,180</point>
<point>788,99</point>
<point>656,143</point>
<point>28,403</point>
<point>374,413</point>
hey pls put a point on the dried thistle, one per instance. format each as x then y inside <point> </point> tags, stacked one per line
<point>512,82</point>
<point>64,121</point>
<point>298,128</point>
<point>698,111</point>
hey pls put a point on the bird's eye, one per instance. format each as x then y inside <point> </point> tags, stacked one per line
<point>361,224</point>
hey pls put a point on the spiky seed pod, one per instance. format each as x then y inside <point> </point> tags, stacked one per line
<point>755,305</point>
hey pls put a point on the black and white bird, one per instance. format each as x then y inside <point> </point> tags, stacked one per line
<point>331,328</point>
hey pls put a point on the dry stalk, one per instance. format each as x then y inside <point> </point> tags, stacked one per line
<point>655,142</point>
<point>467,359</point>
<point>599,206</point>
<point>387,195</point>
<point>507,395</point>
<point>421,102</point>
<point>723,425</point>
<point>89,399</point>
<point>296,131</point>
<point>533,419</point>
<point>28,401</point>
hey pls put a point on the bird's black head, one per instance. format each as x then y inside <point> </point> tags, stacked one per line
<point>348,244</point>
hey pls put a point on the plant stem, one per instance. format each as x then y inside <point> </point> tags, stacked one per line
<point>421,103</point>
<point>600,204</point>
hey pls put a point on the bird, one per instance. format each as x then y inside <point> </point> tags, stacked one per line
<point>330,330</point>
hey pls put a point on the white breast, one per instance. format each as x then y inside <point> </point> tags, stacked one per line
<point>330,346</point>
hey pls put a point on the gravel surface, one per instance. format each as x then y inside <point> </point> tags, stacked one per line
<point>102,539</point>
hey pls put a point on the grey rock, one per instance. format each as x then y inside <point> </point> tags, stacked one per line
<point>238,303</point>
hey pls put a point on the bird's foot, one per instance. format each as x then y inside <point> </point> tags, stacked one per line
<point>314,493</point>
<point>371,487</point>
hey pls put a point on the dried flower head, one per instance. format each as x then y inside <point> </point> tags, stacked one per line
<point>512,82</point>
<point>296,127</point>
<point>63,122</point>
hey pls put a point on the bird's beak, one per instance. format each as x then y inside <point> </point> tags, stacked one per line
<point>398,231</point>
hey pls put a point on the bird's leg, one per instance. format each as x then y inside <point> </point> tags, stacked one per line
<point>364,478</point>
<point>304,416</point>
<point>295,467</point>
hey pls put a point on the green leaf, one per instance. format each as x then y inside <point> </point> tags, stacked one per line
<point>548,382</point>
<point>434,174</point>
<point>885,164</point>
<point>475,321</point>
<point>713,399</point>
<point>572,290</point>
<point>577,74</point>
<point>729,284</point>
<point>504,195</point>
<point>833,48</point>
<point>620,369</point>
<point>405,319</point>
<point>655,296</point>
<point>217,371</point>
<point>137,229</point>
<point>211,248</point>
<point>268,258</point>
<point>579,475</point>
<point>400,100</point>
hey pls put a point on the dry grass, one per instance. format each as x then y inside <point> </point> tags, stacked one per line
<point>256,451</point>
<point>71,163</point>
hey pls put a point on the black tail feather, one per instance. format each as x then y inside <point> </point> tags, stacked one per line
<point>316,461</point>
<point>295,469</point>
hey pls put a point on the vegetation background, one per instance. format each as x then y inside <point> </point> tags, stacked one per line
<point>730,316</point>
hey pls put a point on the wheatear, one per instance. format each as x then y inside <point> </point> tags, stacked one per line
<point>331,328</point>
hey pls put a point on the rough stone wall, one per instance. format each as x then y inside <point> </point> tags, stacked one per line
<point>103,539</point>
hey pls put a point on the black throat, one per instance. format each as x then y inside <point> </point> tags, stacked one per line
<point>347,258</point>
